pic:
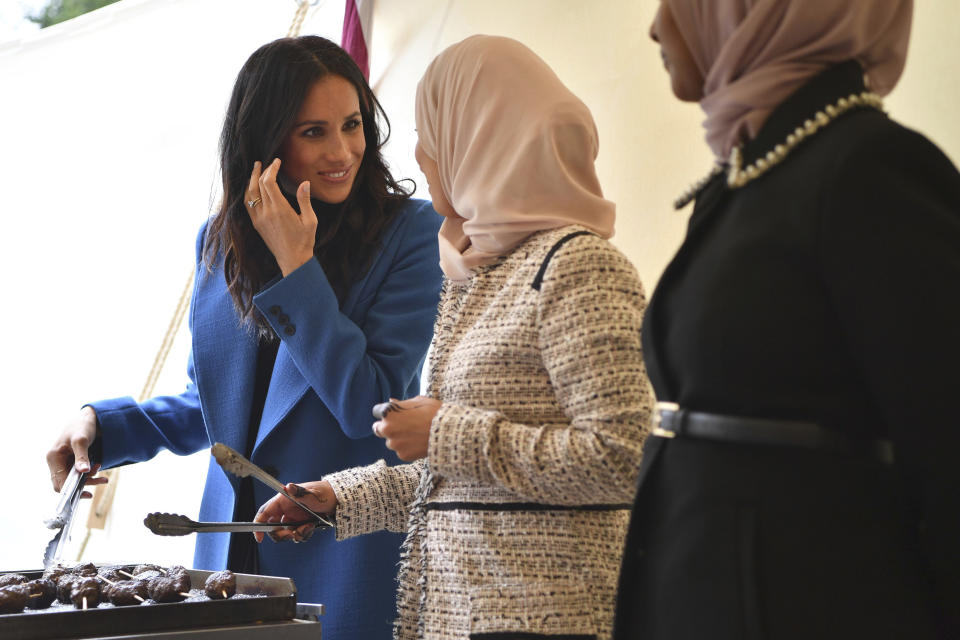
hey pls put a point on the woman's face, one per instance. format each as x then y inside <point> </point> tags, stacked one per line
<point>430,170</point>
<point>326,143</point>
<point>685,77</point>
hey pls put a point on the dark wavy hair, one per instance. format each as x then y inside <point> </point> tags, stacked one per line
<point>266,99</point>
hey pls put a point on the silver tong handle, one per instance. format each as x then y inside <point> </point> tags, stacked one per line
<point>172,524</point>
<point>239,466</point>
<point>63,519</point>
<point>69,498</point>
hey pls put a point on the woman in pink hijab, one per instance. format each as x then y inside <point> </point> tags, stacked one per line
<point>525,450</point>
<point>801,479</point>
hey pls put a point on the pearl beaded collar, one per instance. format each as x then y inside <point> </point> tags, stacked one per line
<point>738,176</point>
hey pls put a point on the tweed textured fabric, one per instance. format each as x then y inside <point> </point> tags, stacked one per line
<point>519,520</point>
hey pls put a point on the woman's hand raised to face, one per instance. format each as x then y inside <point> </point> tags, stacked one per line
<point>317,495</point>
<point>290,237</point>
<point>406,426</point>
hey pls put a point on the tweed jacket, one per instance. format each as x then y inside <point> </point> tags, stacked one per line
<point>516,519</point>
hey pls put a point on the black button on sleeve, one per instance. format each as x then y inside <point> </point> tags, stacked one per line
<point>275,309</point>
<point>290,329</point>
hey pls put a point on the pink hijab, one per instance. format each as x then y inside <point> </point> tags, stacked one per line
<point>514,149</point>
<point>754,53</point>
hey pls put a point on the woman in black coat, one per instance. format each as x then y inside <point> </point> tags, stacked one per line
<point>801,479</point>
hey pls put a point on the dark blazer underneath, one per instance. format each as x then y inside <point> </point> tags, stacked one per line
<point>826,290</point>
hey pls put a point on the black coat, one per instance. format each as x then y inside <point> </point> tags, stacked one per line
<point>826,290</point>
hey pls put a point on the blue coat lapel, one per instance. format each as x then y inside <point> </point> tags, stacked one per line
<point>287,387</point>
<point>225,359</point>
<point>287,384</point>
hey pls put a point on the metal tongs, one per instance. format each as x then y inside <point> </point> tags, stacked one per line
<point>171,524</point>
<point>69,499</point>
<point>239,466</point>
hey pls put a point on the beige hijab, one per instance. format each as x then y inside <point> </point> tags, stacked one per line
<point>514,149</point>
<point>754,53</point>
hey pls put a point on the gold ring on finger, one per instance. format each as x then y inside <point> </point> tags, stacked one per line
<point>254,202</point>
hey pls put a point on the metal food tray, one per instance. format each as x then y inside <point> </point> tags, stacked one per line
<point>259,599</point>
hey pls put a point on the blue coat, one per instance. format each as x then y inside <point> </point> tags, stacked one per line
<point>333,365</point>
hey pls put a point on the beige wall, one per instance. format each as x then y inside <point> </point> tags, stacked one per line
<point>928,95</point>
<point>651,145</point>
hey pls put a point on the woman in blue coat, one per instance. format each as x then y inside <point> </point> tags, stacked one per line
<point>317,285</point>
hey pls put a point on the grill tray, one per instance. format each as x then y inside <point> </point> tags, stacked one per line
<point>258,599</point>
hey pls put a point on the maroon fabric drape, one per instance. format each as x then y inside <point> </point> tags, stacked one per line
<point>352,39</point>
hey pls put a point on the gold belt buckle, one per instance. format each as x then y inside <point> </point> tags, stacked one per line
<point>657,429</point>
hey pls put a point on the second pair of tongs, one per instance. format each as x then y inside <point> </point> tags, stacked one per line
<point>173,524</point>
<point>70,494</point>
<point>239,466</point>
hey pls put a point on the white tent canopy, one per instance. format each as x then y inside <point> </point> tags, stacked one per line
<point>109,127</point>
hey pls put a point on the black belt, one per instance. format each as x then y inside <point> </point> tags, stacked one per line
<point>670,421</point>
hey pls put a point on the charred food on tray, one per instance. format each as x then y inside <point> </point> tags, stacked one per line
<point>87,569</point>
<point>85,593</point>
<point>13,598</point>
<point>110,575</point>
<point>85,586</point>
<point>126,592</point>
<point>8,579</point>
<point>65,585</point>
<point>143,568</point>
<point>173,587</point>
<point>43,592</point>
<point>54,573</point>
<point>220,585</point>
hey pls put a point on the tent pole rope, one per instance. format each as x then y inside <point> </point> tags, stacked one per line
<point>298,17</point>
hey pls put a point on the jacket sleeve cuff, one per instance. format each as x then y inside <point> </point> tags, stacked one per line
<point>373,498</point>
<point>280,291</point>
<point>113,427</point>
